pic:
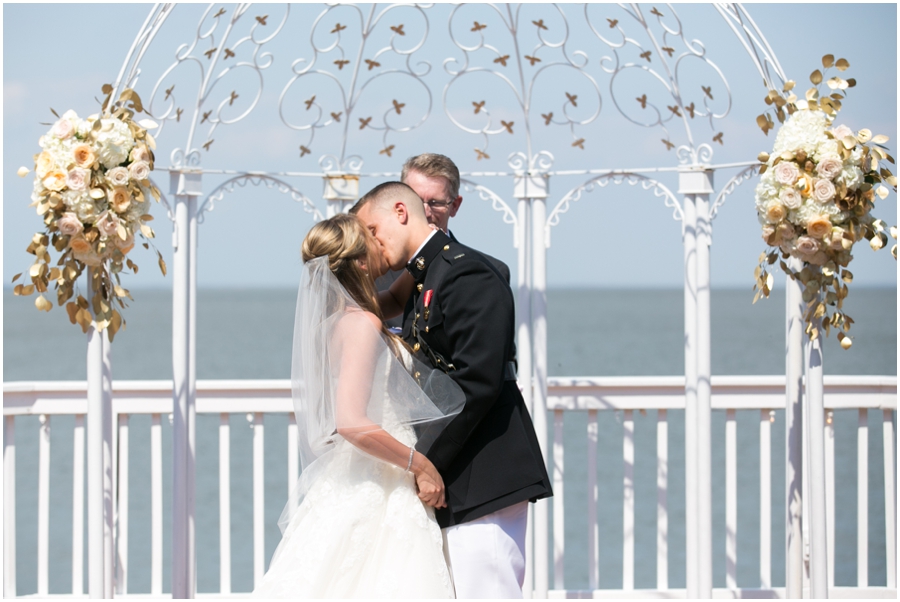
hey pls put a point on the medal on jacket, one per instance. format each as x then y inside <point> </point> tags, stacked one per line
<point>429,294</point>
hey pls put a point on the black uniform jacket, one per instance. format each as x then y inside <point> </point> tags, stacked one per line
<point>488,455</point>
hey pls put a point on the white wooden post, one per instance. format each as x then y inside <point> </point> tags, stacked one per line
<point>534,189</point>
<point>701,184</point>
<point>9,506</point>
<point>890,496</point>
<point>185,186</point>
<point>523,356</point>
<point>818,563</point>
<point>696,184</point>
<point>793,426</point>
<point>99,397</point>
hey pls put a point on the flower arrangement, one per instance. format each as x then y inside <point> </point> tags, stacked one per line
<point>815,197</point>
<point>92,188</point>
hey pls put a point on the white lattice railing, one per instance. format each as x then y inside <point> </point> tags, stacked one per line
<point>760,394</point>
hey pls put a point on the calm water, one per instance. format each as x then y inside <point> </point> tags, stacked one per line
<point>243,334</point>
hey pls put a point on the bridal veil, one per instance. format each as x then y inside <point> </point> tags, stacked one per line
<point>345,374</point>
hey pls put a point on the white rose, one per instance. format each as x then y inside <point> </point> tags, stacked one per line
<point>786,172</point>
<point>107,223</point>
<point>829,167</point>
<point>840,132</point>
<point>118,176</point>
<point>808,249</point>
<point>140,153</point>
<point>78,178</point>
<point>823,190</point>
<point>791,198</point>
<point>140,170</point>
<point>69,224</point>
<point>775,212</point>
<point>62,129</point>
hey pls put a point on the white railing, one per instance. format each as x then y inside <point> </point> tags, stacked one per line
<point>589,396</point>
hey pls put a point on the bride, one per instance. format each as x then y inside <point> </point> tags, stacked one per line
<point>361,519</point>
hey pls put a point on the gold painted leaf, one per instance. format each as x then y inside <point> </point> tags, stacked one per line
<point>842,64</point>
<point>16,277</point>
<point>763,157</point>
<point>72,310</point>
<point>789,85</point>
<point>162,266</point>
<point>880,139</point>
<point>42,304</point>
<point>882,192</point>
<point>864,135</point>
<point>816,77</point>
<point>828,60</point>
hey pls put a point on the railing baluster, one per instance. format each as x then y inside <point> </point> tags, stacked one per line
<point>559,519</point>
<point>43,530</point>
<point>9,506</point>
<point>156,508</point>
<point>293,460</point>
<point>593,531</point>
<point>259,510</point>
<point>122,508</point>
<point>78,506</point>
<point>890,499</point>
<point>628,505</point>
<point>862,499</point>
<point>829,493</point>
<point>662,504</point>
<point>730,500</point>
<point>224,504</point>
<point>765,498</point>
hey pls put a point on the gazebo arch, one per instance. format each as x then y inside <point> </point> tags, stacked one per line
<point>229,40</point>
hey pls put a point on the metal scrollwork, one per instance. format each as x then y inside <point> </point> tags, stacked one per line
<point>268,181</point>
<point>516,51</point>
<point>660,60</point>
<point>222,55</point>
<point>754,42</point>
<point>497,204</point>
<point>743,176</point>
<point>333,100</point>
<point>659,190</point>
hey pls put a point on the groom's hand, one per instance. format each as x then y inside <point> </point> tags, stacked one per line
<point>429,484</point>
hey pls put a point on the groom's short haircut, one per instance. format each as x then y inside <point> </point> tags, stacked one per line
<point>386,191</point>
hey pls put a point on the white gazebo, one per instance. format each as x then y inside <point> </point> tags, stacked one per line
<point>235,37</point>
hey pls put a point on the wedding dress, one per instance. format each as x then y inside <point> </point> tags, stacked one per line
<point>355,526</point>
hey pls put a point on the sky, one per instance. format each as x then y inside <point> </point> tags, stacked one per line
<point>616,235</point>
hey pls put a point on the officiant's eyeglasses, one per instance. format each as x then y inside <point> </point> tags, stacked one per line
<point>435,204</point>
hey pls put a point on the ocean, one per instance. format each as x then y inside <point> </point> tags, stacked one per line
<point>247,334</point>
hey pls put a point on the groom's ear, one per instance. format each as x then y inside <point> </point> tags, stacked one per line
<point>401,212</point>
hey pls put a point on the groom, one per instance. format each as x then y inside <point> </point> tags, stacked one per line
<point>460,318</point>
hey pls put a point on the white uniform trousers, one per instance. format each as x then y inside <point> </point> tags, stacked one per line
<point>487,555</point>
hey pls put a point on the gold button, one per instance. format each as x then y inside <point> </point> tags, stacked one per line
<point>418,374</point>
<point>446,247</point>
<point>426,329</point>
<point>420,263</point>
<point>417,316</point>
<point>416,347</point>
<point>419,287</point>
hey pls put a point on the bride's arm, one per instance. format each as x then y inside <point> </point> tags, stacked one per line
<point>393,300</point>
<point>358,359</point>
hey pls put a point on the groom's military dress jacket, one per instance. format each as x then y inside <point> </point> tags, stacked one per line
<point>461,318</point>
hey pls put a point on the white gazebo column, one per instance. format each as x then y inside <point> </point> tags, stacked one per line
<point>696,184</point>
<point>99,461</point>
<point>815,461</point>
<point>533,189</point>
<point>794,435</point>
<point>341,191</point>
<point>185,187</point>
<point>523,356</point>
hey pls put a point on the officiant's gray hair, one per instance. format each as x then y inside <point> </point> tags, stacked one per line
<point>384,192</point>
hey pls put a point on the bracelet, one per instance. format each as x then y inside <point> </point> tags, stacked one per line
<point>412,450</point>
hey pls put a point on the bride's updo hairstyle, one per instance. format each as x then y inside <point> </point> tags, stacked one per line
<point>343,239</point>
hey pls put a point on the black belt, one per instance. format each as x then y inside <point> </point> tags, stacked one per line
<point>510,372</point>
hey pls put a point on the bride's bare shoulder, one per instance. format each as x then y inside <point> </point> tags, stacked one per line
<point>358,318</point>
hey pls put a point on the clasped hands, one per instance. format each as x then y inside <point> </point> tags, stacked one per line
<point>429,484</point>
